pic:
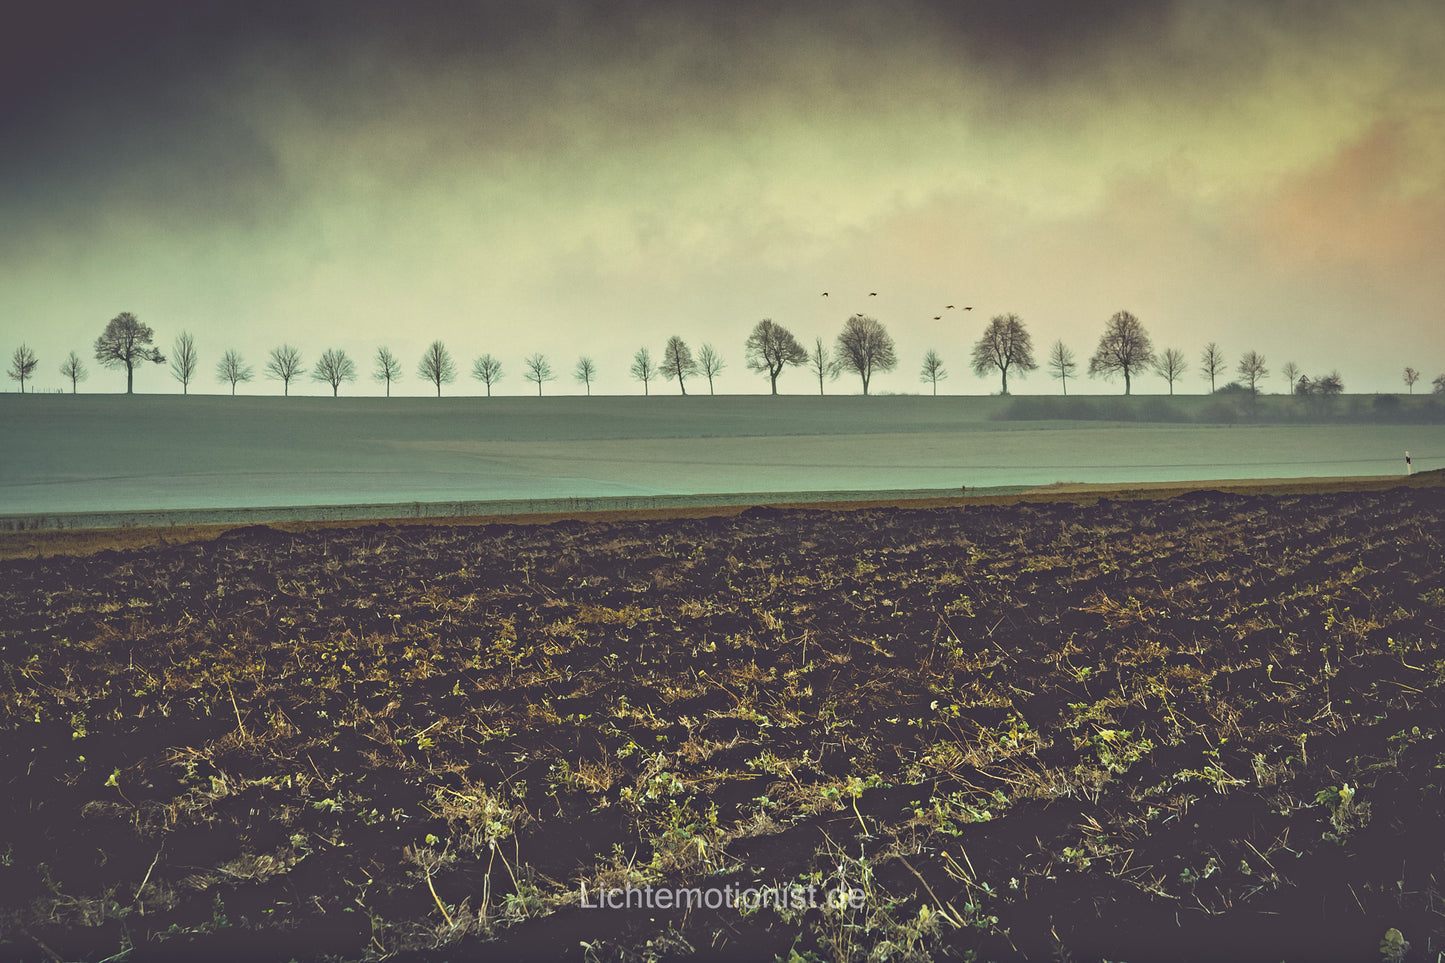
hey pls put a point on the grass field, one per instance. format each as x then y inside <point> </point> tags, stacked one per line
<point>1187,726</point>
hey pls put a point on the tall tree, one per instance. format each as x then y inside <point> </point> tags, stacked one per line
<point>677,361</point>
<point>1291,373</point>
<point>231,368</point>
<point>1170,366</point>
<point>184,361</point>
<point>539,370</point>
<point>585,372</point>
<point>1124,347</point>
<point>126,342</point>
<point>283,365</point>
<point>864,346</point>
<point>334,368</point>
<point>642,369</point>
<point>437,366</point>
<point>771,348</point>
<point>1411,376</point>
<point>1005,344</point>
<point>1211,363</point>
<point>1252,370</point>
<point>932,371</point>
<point>820,361</point>
<point>74,369</point>
<point>1062,363</point>
<point>710,363</point>
<point>387,369</point>
<point>488,371</point>
<point>22,365</point>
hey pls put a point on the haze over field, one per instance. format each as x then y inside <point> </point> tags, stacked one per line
<point>105,454</point>
<point>575,178</point>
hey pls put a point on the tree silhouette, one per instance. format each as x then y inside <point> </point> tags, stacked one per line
<point>585,372</point>
<point>125,342</point>
<point>1411,376</point>
<point>437,366</point>
<point>710,363</point>
<point>677,362</point>
<point>1211,363</point>
<point>1124,347</point>
<point>932,371</point>
<point>74,369</point>
<point>184,361</point>
<point>488,371</point>
<point>1252,370</point>
<point>539,369</point>
<point>387,369</point>
<point>1291,372</point>
<point>334,368</point>
<point>1170,366</point>
<point>283,365</point>
<point>772,347</point>
<point>1062,364</point>
<point>22,365</point>
<point>642,369</point>
<point>1005,344</point>
<point>231,368</point>
<point>821,363</point>
<point>864,346</point>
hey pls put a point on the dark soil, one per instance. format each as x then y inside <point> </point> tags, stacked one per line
<point>1189,728</point>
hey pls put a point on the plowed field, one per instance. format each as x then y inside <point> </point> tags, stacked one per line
<point>1201,727</point>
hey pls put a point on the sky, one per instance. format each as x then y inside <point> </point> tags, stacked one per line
<point>587,178</point>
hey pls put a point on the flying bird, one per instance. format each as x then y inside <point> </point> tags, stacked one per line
<point>873,294</point>
<point>950,307</point>
<point>969,308</point>
<point>825,294</point>
<point>938,317</point>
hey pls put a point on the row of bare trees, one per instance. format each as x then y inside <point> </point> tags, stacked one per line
<point>863,347</point>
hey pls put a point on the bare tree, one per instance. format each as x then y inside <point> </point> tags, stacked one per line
<point>284,364</point>
<point>22,365</point>
<point>1211,363</point>
<point>1439,384</point>
<point>231,368</point>
<point>1411,376</point>
<point>642,369</point>
<point>1252,370</point>
<point>184,361</point>
<point>821,363</point>
<point>387,369</point>
<point>1005,344</point>
<point>1291,373</point>
<point>865,346</point>
<point>124,342</point>
<point>334,368</point>
<point>677,361</point>
<point>539,370</point>
<point>585,372</point>
<point>74,369</point>
<point>437,366</point>
<point>1062,364</point>
<point>1170,366</point>
<point>932,371</point>
<point>488,371</point>
<point>710,363</point>
<point>771,348</point>
<point>1124,347</point>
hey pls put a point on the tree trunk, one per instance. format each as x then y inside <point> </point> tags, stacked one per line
<point>1005,380</point>
<point>1126,381</point>
<point>129,377</point>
